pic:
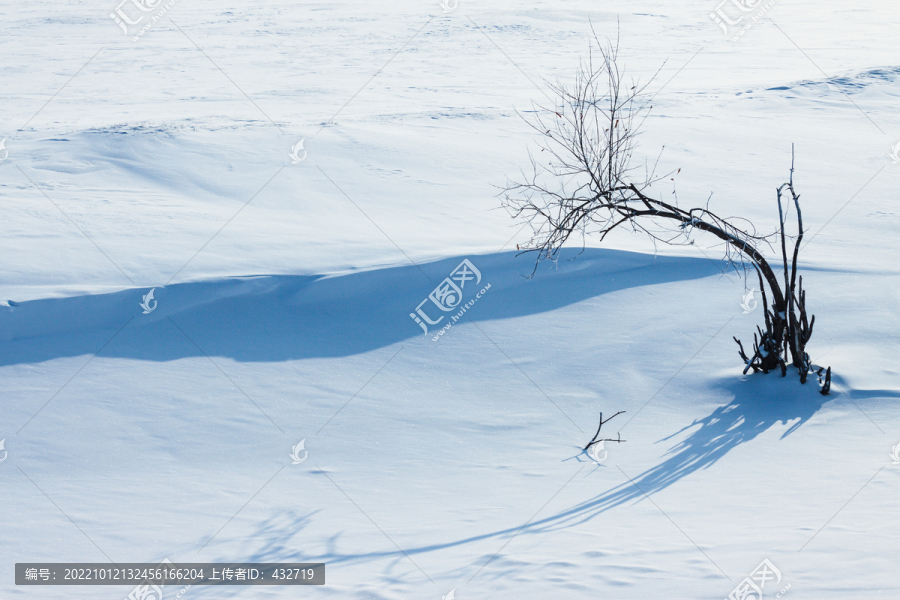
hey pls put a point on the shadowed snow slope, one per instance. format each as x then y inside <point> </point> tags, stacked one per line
<point>276,318</point>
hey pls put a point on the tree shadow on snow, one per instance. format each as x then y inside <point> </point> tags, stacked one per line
<point>759,402</point>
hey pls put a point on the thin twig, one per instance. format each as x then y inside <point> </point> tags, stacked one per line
<point>595,440</point>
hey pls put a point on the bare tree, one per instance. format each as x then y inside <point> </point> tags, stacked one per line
<point>584,184</point>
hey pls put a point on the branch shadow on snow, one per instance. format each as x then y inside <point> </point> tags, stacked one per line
<point>271,318</point>
<point>758,403</point>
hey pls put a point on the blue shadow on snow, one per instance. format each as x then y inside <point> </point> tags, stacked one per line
<point>270,318</point>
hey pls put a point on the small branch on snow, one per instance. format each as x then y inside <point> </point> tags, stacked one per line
<point>618,435</point>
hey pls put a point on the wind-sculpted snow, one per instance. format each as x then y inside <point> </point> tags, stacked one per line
<point>881,80</point>
<point>280,317</point>
<point>290,181</point>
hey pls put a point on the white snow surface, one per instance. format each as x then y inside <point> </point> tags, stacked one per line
<point>285,290</point>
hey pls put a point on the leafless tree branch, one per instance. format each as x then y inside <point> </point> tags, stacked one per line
<point>582,183</point>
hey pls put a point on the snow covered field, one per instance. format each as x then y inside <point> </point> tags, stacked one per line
<point>283,292</point>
